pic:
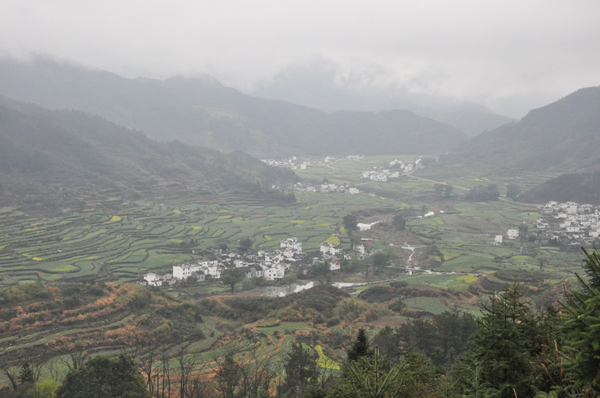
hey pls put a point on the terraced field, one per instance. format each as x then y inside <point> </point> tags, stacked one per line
<point>125,239</point>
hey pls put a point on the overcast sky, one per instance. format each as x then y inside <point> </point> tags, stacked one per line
<point>509,55</point>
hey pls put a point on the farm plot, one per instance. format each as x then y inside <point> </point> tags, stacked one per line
<point>141,236</point>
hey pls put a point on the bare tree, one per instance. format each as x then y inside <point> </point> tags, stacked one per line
<point>165,380</point>
<point>186,363</point>
<point>256,376</point>
<point>228,375</point>
<point>76,358</point>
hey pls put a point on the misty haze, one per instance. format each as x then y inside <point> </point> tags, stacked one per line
<point>299,199</point>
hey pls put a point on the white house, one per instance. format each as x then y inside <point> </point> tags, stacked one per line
<point>291,244</point>
<point>328,248</point>
<point>512,233</point>
<point>273,273</point>
<point>184,271</point>
<point>153,279</point>
<point>498,240</point>
<point>360,249</point>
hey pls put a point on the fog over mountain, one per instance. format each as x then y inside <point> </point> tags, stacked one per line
<point>563,136</point>
<point>511,56</point>
<point>325,85</point>
<point>202,111</point>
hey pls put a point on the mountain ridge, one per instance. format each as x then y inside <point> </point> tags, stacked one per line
<point>561,136</point>
<point>201,111</point>
<point>73,155</point>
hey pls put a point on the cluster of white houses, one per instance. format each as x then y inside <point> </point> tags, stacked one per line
<point>326,187</point>
<point>268,265</point>
<point>301,163</point>
<point>396,169</point>
<point>569,224</point>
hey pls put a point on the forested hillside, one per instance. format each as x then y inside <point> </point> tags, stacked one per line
<point>201,111</point>
<point>580,188</point>
<point>75,155</point>
<point>562,136</point>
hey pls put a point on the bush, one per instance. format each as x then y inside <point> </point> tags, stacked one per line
<point>378,294</point>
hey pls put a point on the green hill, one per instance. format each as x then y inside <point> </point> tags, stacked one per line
<point>75,155</point>
<point>576,187</point>
<point>562,136</point>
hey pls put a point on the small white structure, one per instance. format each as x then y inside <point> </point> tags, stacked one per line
<point>273,273</point>
<point>360,249</point>
<point>328,248</point>
<point>498,240</point>
<point>184,271</point>
<point>153,279</point>
<point>512,233</point>
<point>291,244</point>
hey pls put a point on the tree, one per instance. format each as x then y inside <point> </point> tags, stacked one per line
<point>523,230</point>
<point>582,327</point>
<point>444,190</point>
<point>245,244</point>
<point>228,376</point>
<point>232,276</point>
<point>399,222</point>
<point>361,346</point>
<point>481,193</point>
<point>350,223</point>
<point>106,378</point>
<point>439,189</point>
<point>503,347</point>
<point>448,188</point>
<point>380,260</point>
<point>44,389</point>
<point>26,374</point>
<point>512,191</point>
<point>300,371</point>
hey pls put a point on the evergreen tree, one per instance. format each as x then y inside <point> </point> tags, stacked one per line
<point>399,222</point>
<point>26,374</point>
<point>350,223</point>
<point>503,346</point>
<point>361,347</point>
<point>300,372</point>
<point>104,377</point>
<point>228,377</point>
<point>582,328</point>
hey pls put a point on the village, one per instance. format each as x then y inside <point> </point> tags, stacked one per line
<point>272,266</point>
<point>396,169</point>
<point>301,163</point>
<point>569,224</point>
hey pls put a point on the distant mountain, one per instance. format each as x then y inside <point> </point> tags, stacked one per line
<point>472,118</point>
<point>563,136</point>
<point>322,85</point>
<point>71,156</point>
<point>201,111</point>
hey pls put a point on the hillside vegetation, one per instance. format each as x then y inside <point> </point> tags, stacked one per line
<point>563,136</point>
<point>73,156</point>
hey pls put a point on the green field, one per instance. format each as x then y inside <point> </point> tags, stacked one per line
<point>119,240</point>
